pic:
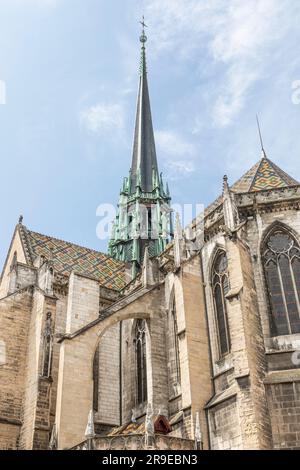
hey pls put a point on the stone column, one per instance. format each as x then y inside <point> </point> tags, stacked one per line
<point>157,372</point>
<point>247,348</point>
<point>75,381</point>
<point>194,347</point>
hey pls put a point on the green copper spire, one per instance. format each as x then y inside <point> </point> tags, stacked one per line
<point>144,214</point>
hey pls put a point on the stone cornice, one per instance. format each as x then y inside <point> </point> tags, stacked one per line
<point>11,421</point>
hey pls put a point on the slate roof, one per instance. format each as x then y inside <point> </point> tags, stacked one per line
<point>68,257</point>
<point>144,160</point>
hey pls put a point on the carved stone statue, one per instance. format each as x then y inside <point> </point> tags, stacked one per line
<point>149,426</point>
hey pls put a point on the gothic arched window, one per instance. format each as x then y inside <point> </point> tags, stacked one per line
<point>96,381</point>
<point>173,350</point>
<point>281,260</point>
<point>47,347</point>
<point>220,286</point>
<point>141,366</point>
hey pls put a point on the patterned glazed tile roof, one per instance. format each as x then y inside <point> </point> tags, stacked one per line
<point>263,175</point>
<point>131,428</point>
<point>68,257</point>
<point>243,184</point>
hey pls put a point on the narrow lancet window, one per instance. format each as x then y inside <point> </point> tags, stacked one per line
<point>141,363</point>
<point>220,286</point>
<point>173,351</point>
<point>96,381</point>
<point>47,347</point>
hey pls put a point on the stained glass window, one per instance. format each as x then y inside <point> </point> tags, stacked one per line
<point>220,286</point>
<point>281,258</point>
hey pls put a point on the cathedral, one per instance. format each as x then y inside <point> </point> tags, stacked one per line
<point>178,338</point>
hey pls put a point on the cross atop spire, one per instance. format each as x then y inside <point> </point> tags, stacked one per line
<point>143,24</point>
<point>260,138</point>
<point>143,40</point>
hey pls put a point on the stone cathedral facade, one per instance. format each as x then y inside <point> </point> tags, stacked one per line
<point>165,343</point>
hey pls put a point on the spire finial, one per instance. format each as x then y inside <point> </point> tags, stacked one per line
<point>143,40</point>
<point>225,184</point>
<point>260,138</point>
<point>143,37</point>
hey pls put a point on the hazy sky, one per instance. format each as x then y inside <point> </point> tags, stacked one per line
<point>71,74</point>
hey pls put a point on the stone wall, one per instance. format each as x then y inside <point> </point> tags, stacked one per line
<point>9,434</point>
<point>59,329</point>
<point>256,432</point>
<point>247,406</point>
<point>77,352</point>
<point>32,371</point>
<point>128,370</point>
<point>21,276</point>
<point>15,315</point>
<point>257,228</point>
<point>197,347</point>
<point>83,302</point>
<point>109,378</point>
<point>242,370</point>
<point>225,430</point>
<point>284,406</point>
<point>16,247</point>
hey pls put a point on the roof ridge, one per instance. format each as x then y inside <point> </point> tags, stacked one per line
<point>23,231</point>
<point>72,244</point>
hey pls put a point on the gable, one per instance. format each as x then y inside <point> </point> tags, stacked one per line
<point>16,246</point>
<point>264,175</point>
<point>270,176</point>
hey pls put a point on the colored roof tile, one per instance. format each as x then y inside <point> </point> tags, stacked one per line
<point>68,257</point>
<point>263,175</point>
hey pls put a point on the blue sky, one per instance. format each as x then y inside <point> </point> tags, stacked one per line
<point>71,74</point>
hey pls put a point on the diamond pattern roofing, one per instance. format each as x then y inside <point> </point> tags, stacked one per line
<point>68,257</point>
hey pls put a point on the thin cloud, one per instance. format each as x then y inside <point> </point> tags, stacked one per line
<point>176,170</point>
<point>171,144</point>
<point>102,118</point>
<point>176,153</point>
<point>239,37</point>
<point>33,3</point>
